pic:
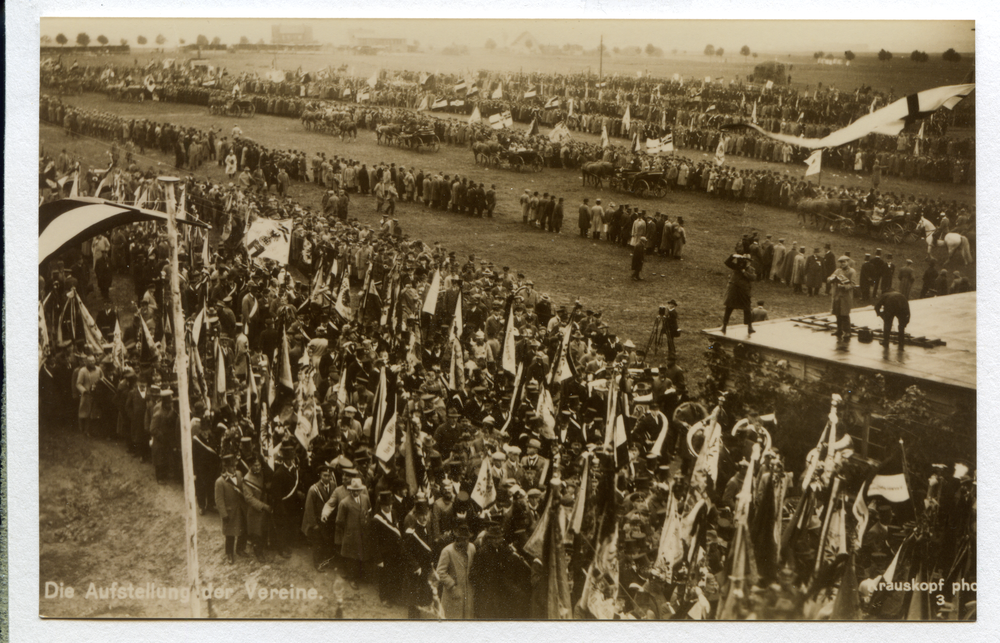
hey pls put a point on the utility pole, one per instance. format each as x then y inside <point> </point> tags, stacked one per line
<point>181,366</point>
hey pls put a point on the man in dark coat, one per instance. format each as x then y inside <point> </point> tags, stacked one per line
<point>286,500</point>
<point>206,465</point>
<point>829,265</point>
<point>500,579</point>
<point>352,522</point>
<point>388,552</point>
<point>258,511</point>
<point>312,523</point>
<point>738,290</point>
<point>893,305</point>
<point>638,258</point>
<point>584,220</point>
<point>230,502</point>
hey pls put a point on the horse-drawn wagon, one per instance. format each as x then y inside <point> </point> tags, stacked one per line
<point>234,107</point>
<point>645,184</point>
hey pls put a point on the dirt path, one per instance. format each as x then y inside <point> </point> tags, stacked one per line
<point>103,519</point>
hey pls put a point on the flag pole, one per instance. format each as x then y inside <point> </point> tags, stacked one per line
<point>600,73</point>
<point>181,366</point>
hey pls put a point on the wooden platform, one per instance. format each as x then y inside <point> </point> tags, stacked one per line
<point>951,318</point>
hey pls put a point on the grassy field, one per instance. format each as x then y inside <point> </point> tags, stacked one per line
<point>563,265</point>
<point>899,74</point>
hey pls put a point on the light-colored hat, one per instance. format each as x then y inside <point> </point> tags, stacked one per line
<point>356,485</point>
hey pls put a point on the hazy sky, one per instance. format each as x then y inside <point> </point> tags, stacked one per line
<point>690,35</point>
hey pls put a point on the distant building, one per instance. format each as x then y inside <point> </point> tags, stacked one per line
<point>378,41</point>
<point>292,35</point>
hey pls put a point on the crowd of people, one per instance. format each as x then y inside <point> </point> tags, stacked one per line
<point>691,111</point>
<point>433,425</point>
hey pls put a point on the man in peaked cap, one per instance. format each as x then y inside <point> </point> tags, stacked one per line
<point>536,467</point>
<point>229,500</point>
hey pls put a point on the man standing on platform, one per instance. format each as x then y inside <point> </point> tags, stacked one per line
<point>893,305</point>
<point>844,280</point>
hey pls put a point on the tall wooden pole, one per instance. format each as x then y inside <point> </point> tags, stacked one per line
<point>600,73</point>
<point>181,366</point>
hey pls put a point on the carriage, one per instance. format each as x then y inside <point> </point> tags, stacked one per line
<point>422,138</point>
<point>517,160</point>
<point>892,226</point>
<point>833,215</point>
<point>645,184</point>
<point>235,108</point>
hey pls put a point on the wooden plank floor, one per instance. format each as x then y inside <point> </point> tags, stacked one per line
<point>951,318</point>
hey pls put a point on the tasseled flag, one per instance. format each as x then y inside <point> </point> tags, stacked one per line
<point>580,504</point>
<point>484,493</point>
<point>533,128</point>
<point>457,325</point>
<point>422,107</point>
<point>476,117</point>
<point>627,119</point>
<point>149,338</point>
<point>720,152</point>
<point>552,103</point>
<point>600,589</point>
<point>498,92</point>
<point>342,306</point>
<point>547,411</point>
<point>386,449</point>
<point>620,442</point>
<point>860,511</point>
<point>605,143</point>
<point>561,369</point>
<point>515,398</point>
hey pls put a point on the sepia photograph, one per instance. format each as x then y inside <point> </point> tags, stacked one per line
<point>506,320</point>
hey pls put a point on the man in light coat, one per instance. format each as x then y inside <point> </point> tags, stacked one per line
<point>453,570</point>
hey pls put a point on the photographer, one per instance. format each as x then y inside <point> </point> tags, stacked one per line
<point>738,291</point>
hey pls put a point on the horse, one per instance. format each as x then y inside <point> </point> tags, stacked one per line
<point>387,133</point>
<point>593,172</point>
<point>484,151</point>
<point>822,210</point>
<point>953,241</point>
<point>349,128</point>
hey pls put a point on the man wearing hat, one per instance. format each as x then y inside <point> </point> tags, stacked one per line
<point>906,278</point>
<point>231,503</point>
<point>453,569</point>
<point>87,380</point>
<point>287,496</point>
<point>312,519</point>
<point>536,467</point>
<point>163,426</point>
<point>258,510</point>
<point>352,523</point>
<point>671,328</point>
<point>206,464</point>
<point>844,280</point>
<point>388,554</point>
<point>420,560</point>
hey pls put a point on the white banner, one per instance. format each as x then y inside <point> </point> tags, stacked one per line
<point>269,239</point>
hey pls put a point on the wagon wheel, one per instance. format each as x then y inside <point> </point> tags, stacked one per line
<point>493,161</point>
<point>536,165</point>
<point>233,110</point>
<point>417,144</point>
<point>846,227</point>
<point>659,189</point>
<point>435,144</point>
<point>251,110</point>
<point>893,233</point>
<point>641,189</point>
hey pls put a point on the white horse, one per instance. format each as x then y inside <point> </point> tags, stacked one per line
<point>953,241</point>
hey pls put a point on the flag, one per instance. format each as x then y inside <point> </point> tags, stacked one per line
<point>561,370</point>
<point>346,92</point>
<point>472,91</point>
<point>547,411</point>
<point>341,306</point>
<point>440,103</point>
<point>667,143</point>
<point>363,97</point>
<point>386,449</point>
<point>476,117</point>
<point>508,350</point>
<point>605,143</point>
<point>508,120</point>
<point>769,85</point>
<point>498,92</point>
<point>560,133</point>
<point>671,549</point>
<point>814,164</point>
<point>457,327</point>
<point>871,109</point>
<point>890,480</point>
<point>753,117</point>
<point>860,511</point>
<point>373,81</point>
<point>220,369</point>
<point>552,103</point>
<point>457,103</point>
<point>496,121</point>
<point>456,371</point>
<point>531,93</point>
<point>285,375</point>
<point>570,106</point>
<point>920,138</point>
<point>460,86</point>
<point>600,589</point>
<point>620,442</point>
<point>515,398</point>
<point>424,77</point>
<point>430,301</point>
<point>627,118</point>
<point>575,522</point>
<point>118,348</point>
<point>653,146</point>
<point>484,493</point>
<point>720,151</point>
<point>423,105</point>
<point>533,128</point>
